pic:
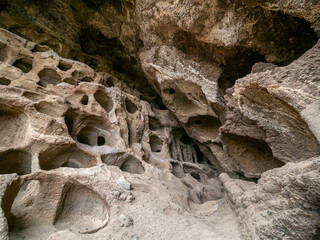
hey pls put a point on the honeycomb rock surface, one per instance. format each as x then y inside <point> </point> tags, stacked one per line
<point>153,119</point>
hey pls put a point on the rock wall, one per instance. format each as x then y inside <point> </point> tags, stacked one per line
<point>117,118</point>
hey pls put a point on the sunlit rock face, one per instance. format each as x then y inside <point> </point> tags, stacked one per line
<point>159,119</point>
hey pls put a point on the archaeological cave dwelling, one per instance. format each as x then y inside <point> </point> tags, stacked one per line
<point>159,120</point>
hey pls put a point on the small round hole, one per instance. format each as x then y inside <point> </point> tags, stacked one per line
<point>85,100</point>
<point>198,122</point>
<point>172,91</point>
<point>101,141</point>
<point>110,82</point>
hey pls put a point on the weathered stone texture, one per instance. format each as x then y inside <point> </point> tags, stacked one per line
<point>158,119</point>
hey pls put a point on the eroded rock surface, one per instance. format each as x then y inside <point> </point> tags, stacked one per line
<point>283,205</point>
<point>68,140</point>
<point>159,119</point>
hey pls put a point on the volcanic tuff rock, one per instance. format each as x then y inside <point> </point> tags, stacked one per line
<point>159,119</point>
<point>283,205</point>
<point>60,115</point>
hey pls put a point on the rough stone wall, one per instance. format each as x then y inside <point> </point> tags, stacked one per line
<point>140,105</point>
<point>283,205</point>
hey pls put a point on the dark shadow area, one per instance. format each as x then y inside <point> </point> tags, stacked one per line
<point>15,161</point>
<point>24,64</point>
<point>4,81</point>
<point>104,100</point>
<point>282,35</point>
<point>184,149</point>
<point>130,106</point>
<point>64,66</point>
<point>253,156</point>
<point>67,156</point>
<point>85,100</point>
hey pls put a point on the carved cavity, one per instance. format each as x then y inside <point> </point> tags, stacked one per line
<point>104,100</point>
<point>84,100</point>
<point>41,208</point>
<point>64,66</point>
<point>4,52</point>
<point>48,76</point>
<point>156,144</point>
<point>188,99</point>
<point>200,181</point>
<point>32,96</point>
<point>110,82</point>
<point>69,120</point>
<point>154,124</point>
<point>13,128</point>
<point>251,155</point>
<point>185,139</point>
<point>91,135</point>
<point>78,74</point>
<point>4,81</point>
<point>20,216</point>
<point>172,91</point>
<point>87,79</point>
<point>40,48</point>
<point>24,64</point>
<point>82,209</point>
<point>130,106</point>
<point>48,108</point>
<point>184,149</point>
<point>126,162</point>
<point>71,81</point>
<point>15,161</point>
<point>177,170</point>
<point>101,141</point>
<point>294,141</point>
<point>66,157</point>
<point>204,127</point>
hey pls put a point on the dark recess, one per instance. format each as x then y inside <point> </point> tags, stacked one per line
<point>317,234</point>
<point>96,4</point>
<point>284,36</point>
<point>4,81</point>
<point>83,139</point>
<point>85,100</point>
<point>93,42</point>
<point>24,64</point>
<point>186,139</point>
<point>101,141</point>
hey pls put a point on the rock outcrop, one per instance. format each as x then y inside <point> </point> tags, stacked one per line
<point>159,119</point>
<point>283,205</point>
<point>63,117</point>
